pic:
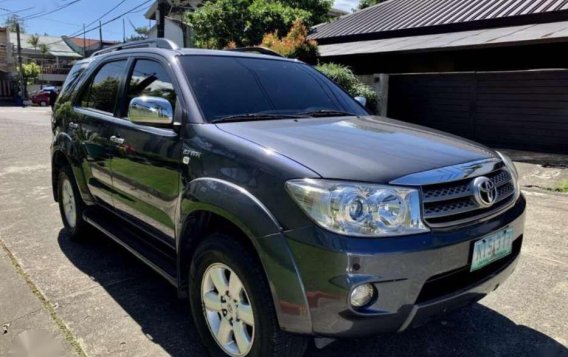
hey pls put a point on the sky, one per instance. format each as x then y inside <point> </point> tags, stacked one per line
<point>66,17</point>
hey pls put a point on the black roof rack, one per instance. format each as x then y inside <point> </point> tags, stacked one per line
<point>257,49</point>
<point>155,42</point>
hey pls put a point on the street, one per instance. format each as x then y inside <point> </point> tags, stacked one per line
<point>96,299</point>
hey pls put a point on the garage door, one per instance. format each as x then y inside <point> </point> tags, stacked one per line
<point>525,110</point>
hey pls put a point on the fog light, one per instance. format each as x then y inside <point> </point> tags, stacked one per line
<point>362,295</point>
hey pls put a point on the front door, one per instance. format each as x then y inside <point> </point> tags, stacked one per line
<point>146,164</point>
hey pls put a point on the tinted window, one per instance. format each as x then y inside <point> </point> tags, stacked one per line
<point>149,78</point>
<point>227,86</point>
<point>73,75</point>
<point>103,89</point>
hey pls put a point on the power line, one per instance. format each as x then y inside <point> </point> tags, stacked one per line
<point>84,32</point>
<point>106,13</point>
<point>40,14</point>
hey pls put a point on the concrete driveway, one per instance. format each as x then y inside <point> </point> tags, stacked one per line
<point>95,299</point>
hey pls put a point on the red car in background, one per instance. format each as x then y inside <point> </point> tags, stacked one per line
<point>41,98</point>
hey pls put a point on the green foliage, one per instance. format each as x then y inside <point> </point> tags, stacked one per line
<point>102,95</point>
<point>141,34</point>
<point>12,20</point>
<point>294,45</point>
<point>366,3</point>
<point>33,41</point>
<point>562,187</point>
<point>345,77</point>
<point>44,48</point>
<point>245,22</point>
<point>30,70</point>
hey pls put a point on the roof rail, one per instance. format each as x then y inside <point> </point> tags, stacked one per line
<point>154,42</point>
<point>257,49</point>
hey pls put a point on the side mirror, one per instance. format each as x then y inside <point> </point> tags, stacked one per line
<point>150,110</point>
<point>361,100</point>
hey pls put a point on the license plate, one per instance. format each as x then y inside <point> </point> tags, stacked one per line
<point>491,248</point>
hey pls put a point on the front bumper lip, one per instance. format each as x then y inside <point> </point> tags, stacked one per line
<point>422,313</point>
<point>417,277</point>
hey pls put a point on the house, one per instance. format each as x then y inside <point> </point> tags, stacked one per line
<point>87,46</point>
<point>453,35</point>
<point>55,62</point>
<point>174,27</point>
<point>492,71</point>
<point>6,65</point>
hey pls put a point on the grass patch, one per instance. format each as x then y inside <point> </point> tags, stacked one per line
<point>562,187</point>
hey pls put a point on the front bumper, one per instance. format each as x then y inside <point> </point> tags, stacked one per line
<point>417,277</point>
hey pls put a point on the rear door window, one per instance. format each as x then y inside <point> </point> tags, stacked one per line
<point>102,91</point>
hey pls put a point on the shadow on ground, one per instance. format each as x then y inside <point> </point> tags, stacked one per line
<point>153,304</point>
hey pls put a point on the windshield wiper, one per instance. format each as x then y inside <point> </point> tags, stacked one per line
<point>327,113</point>
<point>253,116</point>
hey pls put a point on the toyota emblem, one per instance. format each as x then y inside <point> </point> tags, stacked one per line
<point>484,191</point>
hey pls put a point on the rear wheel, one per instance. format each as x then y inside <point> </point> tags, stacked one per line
<point>232,305</point>
<point>71,205</point>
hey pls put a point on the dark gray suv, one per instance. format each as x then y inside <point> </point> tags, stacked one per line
<point>274,201</point>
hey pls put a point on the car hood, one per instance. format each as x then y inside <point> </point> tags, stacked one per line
<point>370,149</point>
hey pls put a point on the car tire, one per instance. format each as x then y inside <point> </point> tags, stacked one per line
<point>264,337</point>
<point>71,206</point>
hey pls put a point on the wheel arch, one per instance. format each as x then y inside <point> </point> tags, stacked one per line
<point>205,211</point>
<point>63,153</point>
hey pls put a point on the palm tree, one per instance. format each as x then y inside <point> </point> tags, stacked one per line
<point>34,41</point>
<point>43,49</point>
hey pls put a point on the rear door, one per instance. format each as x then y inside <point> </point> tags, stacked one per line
<point>147,159</point>
<point>95,111</point>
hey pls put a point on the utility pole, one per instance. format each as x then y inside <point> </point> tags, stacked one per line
<point>161,18</point>
<point>84,41</point>
<point>123,31</point>
<point>100,35</point>
<point>23,87</point>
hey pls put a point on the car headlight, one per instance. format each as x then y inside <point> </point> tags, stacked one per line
<point>510,165</point>
<point>359,209</point>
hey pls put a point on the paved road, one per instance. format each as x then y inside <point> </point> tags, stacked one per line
<point>114,305</point>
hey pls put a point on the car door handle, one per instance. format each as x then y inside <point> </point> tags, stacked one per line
<point>117,140</point>
<point>73,125</point>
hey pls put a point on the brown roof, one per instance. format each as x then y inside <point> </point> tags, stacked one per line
<point>89,42</point>
<point>408,17</point>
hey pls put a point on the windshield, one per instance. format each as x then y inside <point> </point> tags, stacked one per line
<point>257,89</point>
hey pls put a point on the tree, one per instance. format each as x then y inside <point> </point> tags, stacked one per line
<point>11,22</point>
<point>30,71</point>
<point>244,22</point>
<point>34,41</point>
<point>366,3</point>
<point>294,45</point>
<point>141,33</point>
<point>44,48</point>
<point>345,77</point>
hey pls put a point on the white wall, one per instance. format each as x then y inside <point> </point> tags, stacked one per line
<point>172,31</point>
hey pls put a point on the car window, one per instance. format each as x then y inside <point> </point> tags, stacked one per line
<point>73,75</point>
<point>103,89</point>
<point>226,86</point>
<point>149,78</point>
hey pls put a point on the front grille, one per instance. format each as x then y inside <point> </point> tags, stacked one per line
<point>450,203</point>
<point>453,281</point>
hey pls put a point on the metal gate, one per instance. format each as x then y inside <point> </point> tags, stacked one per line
<point>524,109</point>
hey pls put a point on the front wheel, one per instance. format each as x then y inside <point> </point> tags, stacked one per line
<point>232,305</point>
